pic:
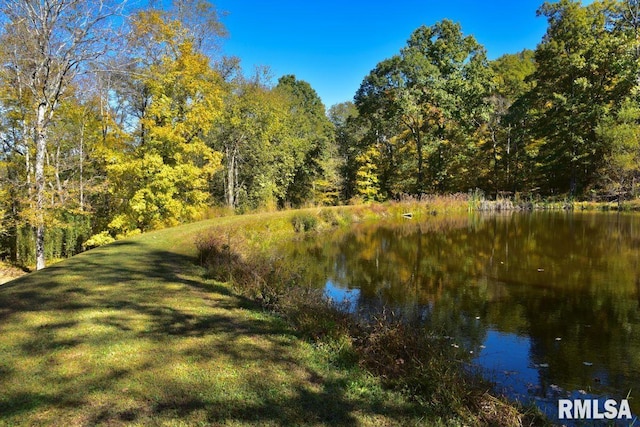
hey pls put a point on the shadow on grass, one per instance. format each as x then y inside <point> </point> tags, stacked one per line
<point>128,333</point>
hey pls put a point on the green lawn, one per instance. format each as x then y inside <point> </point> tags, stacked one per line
<point>131,334</point>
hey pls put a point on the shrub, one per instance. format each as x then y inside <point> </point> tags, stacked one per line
<point>99,239</point>
<point>303,222</point>
<point>214,250</point>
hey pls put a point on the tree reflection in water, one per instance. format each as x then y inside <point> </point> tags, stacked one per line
<point>547,302</point>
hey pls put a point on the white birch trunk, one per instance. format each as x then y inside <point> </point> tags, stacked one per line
<point>41,144</point>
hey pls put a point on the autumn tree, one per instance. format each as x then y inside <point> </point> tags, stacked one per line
<point>162,177</point>
<point>511,81</point>
<point>430,99</point>
<point>380,155</point>
<point>578,79</point>
<point>46,45</point>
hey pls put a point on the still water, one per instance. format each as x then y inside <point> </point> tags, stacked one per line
<point>546,303</point>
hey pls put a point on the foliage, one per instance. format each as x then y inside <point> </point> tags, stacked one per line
<point>437,117</point>
<point>45,46</point>
<point>313,149</point>
<point>100,239</point>
<point>621,166</point>
<point>582,71</point>
<point>253,135</point>
<point>424,106</point>
<point>162,128</point>
<point>505,155</point>
<point>170,163</point>
<point>344,118</point>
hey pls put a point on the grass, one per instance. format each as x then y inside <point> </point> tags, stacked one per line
<point>133,333</point>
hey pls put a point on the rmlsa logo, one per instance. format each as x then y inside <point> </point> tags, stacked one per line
<point>592,409</point>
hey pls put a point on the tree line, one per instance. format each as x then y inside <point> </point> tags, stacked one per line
<point>116,121</point>
<point>562,120</point>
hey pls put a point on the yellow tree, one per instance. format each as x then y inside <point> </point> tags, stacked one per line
<point>162,179</point>
<point>46,44</point>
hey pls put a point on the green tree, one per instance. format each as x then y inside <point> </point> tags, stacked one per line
<point>344,117</point>
<point>311,134</point>
<point>251,134</point>
<point>621,133</point>
<point>581,66</point>
<point>431,100</point>
<point>379,122</point>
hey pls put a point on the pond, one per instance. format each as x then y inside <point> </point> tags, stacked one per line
<point>546,303</point>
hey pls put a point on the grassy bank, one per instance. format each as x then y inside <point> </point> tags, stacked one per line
<point>130,333</point>
<point>134,333</point>
<point>415,364</point>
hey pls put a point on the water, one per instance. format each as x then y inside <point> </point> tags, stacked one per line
<point>546,303</point>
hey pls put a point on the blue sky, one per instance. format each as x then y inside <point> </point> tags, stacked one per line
<point>333,44</point>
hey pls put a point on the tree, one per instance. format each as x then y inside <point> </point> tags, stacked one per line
<point>344,117</point>
<point>511,78</point>
<point>48,44</point>
<point>249,135</point>
<point>580,75</point>
<point>312,130</point>
<point>378,120</point>
<point>621,133</point>
<point>162,178</point>
<point>429,99</point>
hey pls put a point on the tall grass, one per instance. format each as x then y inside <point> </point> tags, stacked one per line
<point>518,202</point>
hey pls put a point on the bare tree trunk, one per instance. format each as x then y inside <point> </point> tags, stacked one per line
<point>508,183</point>
<point>60,190</point>
<point>81,167</point>
<point>420,176</point>
<point>41,143</point>
<point>231,183</point>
